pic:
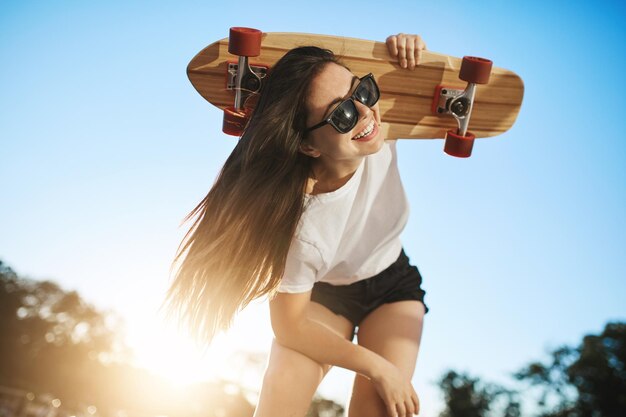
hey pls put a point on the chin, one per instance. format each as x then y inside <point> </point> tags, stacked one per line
<point>376,143</point>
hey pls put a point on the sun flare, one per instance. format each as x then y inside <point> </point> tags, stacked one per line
<point>175,357</point>
<point>170,353</point>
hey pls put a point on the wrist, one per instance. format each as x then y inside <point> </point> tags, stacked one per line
<point>376,366</point>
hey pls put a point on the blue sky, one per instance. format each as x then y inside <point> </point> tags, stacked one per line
<point>105,146</point>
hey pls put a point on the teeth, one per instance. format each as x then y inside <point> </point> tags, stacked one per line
<point>367,131</point>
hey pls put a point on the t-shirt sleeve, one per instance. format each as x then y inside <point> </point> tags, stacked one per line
<point>303,263</point>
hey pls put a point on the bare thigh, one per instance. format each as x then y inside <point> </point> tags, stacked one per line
<point>292,378</point>
<point>394,331</point>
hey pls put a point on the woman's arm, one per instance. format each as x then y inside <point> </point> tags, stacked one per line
<point>295,330</point>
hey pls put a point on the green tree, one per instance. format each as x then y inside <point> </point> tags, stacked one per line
<point>469,397</point>
<point>52,340</point>
<point>587,381</point>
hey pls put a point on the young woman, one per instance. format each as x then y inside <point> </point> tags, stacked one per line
<point>308,210</point>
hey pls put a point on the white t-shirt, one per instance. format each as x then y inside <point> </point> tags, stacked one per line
<point>351,233</point>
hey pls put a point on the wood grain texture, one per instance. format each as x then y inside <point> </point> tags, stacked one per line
<point>406,96</point>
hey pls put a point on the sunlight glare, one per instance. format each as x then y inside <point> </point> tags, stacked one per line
<point>238,355</point>
<point>175,357</point>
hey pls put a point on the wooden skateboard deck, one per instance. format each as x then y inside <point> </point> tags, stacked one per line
<point>406,102</point>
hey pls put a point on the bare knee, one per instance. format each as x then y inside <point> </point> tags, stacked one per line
<point>277,380</point>
<point>365,401</point>
<point>288,369</point>
<point>289,383</point>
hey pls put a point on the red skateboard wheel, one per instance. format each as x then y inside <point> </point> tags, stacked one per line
<point>234,122</point>
<point>459,146</point>
<point>475,70</point>
<point>244,41</point>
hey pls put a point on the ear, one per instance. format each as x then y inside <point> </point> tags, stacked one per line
<point>309,150</point>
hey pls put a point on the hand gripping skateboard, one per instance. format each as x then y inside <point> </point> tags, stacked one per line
<point>436,100</point>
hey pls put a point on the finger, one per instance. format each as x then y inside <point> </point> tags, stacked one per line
<point>401,409</point>
<point>421,43</point>
<point>410,52</point>
<point>416,405</point>
<point>416,402</point>
<point>402,51</point>
<point>419,47</point>
<point>391,410</point>
<point>392,45</point>
<point>408,404</point>
<point>410,407</point>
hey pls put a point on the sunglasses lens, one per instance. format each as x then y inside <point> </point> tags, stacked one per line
<point>345,116</point>
<point>367,92</point>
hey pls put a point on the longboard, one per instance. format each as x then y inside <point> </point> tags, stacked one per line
<point>412,103</point>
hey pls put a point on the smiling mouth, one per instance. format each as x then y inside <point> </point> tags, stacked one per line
<point>366,132</point>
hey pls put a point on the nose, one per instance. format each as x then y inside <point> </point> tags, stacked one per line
<point>363,110</point>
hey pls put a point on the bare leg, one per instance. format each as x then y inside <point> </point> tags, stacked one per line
<point>393,331</point>
<point>292,378</point>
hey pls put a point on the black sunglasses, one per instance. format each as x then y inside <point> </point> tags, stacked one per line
<point>345,116</point>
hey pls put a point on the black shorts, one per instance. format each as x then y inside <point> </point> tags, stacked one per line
<point>399,282</point>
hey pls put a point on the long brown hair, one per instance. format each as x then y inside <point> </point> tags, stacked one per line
<point>237,247</point>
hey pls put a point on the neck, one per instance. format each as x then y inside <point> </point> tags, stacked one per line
<point>330,177</point>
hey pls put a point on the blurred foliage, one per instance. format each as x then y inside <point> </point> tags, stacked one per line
<point>52,339</point>
<point>321,407</point>
<point>54,343</point>
<point>469,397</point>
<point>587,381</point>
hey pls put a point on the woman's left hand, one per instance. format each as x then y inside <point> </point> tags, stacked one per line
<point>408,49</point>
